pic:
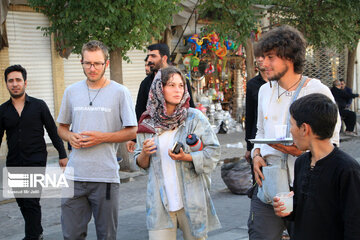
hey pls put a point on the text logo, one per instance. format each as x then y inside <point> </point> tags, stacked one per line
<point>36,182</point>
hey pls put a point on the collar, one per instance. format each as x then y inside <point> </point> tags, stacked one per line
<point>27,99</point>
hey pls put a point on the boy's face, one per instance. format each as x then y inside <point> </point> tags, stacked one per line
<point>298,134</point>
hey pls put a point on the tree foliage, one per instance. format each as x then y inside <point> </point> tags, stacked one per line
<point>120,24</point>
<point>233,18</point>
<point>323,22</point>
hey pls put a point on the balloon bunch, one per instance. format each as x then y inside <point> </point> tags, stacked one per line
<point>211,42</point>
<point>196,42</point>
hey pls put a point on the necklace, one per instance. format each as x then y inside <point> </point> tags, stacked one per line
<point>91,101</point>
<point>279,95</point>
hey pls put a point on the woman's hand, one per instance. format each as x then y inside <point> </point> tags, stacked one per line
<point>182,156</point>
<point>149,147</point>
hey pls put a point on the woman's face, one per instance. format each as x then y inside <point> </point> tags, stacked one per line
<point>174,90</point>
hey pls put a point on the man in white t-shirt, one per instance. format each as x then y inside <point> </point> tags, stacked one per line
<point>101,114</point>
<point>284,57</point>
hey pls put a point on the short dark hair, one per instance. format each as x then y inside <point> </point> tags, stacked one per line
<point>168,72</point>
<point>95,45</point>
<point>288,43</point>
<point>15,68</point>
<point>162,48</point>
<point>318,111</point>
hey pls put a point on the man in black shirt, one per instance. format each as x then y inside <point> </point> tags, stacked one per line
<point>326,196</point>
<point>252,90</point>
<point>23,118</point>
<point>348,90</point>
<point>342,97</point>
<point>157,58</point>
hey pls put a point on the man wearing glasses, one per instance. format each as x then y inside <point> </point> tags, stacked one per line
<point>101,115</point>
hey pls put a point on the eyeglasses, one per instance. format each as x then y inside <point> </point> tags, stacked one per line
<point>96,65</point>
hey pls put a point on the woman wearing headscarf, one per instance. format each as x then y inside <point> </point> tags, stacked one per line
<point>178,184</point>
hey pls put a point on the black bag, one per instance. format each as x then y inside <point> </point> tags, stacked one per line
<point>223,128</point>
<point>237,176</point>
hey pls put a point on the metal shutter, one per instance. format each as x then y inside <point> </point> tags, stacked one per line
<point>134,72</point>
<point>28,47</point>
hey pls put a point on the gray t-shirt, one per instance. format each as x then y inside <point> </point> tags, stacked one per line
<point>111,110</point>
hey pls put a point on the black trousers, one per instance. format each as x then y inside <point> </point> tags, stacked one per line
<point>349,118</point>
<point>31,210</point>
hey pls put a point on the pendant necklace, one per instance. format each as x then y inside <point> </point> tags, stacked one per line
<point>91,101</point>
<point>279,95</point>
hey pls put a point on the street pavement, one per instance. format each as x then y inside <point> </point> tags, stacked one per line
<point>232,209</point>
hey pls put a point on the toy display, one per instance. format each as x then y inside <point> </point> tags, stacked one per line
<point>209,65</point>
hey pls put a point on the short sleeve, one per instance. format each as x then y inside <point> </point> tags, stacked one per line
<point>127,110</point>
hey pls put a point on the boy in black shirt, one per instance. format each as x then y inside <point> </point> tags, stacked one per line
<point>326,194</point>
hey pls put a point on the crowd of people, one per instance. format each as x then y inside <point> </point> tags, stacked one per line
<point>97,114</point>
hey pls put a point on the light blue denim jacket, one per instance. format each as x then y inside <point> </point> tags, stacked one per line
<point>194,178</point>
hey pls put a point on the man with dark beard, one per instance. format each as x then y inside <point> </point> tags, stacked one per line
<point>157,58</point>
<point>24,118</point>
<point>252,91</point>
<point>283,49</point>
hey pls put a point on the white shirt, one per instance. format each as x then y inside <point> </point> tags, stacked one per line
<point>171,181</point>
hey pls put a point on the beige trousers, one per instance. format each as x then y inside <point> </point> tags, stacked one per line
<point>179,219</point>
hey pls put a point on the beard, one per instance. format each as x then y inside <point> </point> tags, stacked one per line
<point>279,75</point>
<point>155,66</point>
<point>96,79</point>
<point>18,95</point>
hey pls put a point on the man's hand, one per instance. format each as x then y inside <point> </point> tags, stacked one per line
<point>130,146</point>
<point>63,162</point>
<point>292,149</point>
<point>258,162</point>
<point>75,140</point>
<point>248,156</point>
<point>91,138</point>
<point>279,207</point>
